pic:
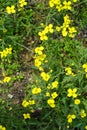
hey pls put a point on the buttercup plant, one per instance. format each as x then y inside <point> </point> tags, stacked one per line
<point>54,97</point>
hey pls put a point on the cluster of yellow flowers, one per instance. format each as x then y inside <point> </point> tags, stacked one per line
<point>2,128</point>
<point>11,9</point>
<point>51,100</point>
<point>52,95</point>
<point>65,5</point>
<point>6,52</point>
<point>39,57</point>
<point>26,103</point>
<point>70,117</point>
<point>43,34</point>
<point>66,29</point>
<point>84,66</point>
<point>72,93</point>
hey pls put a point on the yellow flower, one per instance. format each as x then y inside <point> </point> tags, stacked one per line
<point>82,113</point>
<point>2,128</point>
<point>55,84</point>
<point>58,28</point>
<point>47,94</point>
<point>49,86</point>
<point>73,116</point>
<point>72,92</point>
<point>26,116</point>
<point>77,101</point>
<point>84,66</point>
<point>36,90</point>
<point>38,50</point>
<point>49,28</point>
<point>85,69</point>
<point>64,32</point>
<point>22,3</point>
<point>31,102</point>
<point>41,68</point>
<point>37,62</point>
<point>72,31</point>
<point>54,95</point>
<point>6,79</point>
<point>86,127</point>
<point>11,9</point>
<point>74,0</point>
<point>59,7</point>
<point>69,120</point>
<point>51,4</point>
<point>45,76</point>
<point>68,71</point>
<point>25,103</point>
<point>41,57</point>
<point>5,52</point>
<point>51,102</point>
<point>67,5</point>
<point>42,36</point>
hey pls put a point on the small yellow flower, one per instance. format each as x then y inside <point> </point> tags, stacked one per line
<point>43,36</point>
<point>41,68</point>
<point>54,95</point>
<point>82,113</point>
<point>51,102</point>
<point>49,86</point>
<point>25,103</point>
<point>77,101</point>
<point>37,62</point>
<point>11,9</point>
<point>45,76</point>
<point>58,28</point>
<point>84,66</point>
<point>36,90</point>
<point>64,32</point>
<point>31,102</point>
<point>67,5</point>
<point>6,79</point>
<point>69,120</point>
<point>38,50</point>
<point>72,92</point>
<point>86,127</point>
<point>22,3</point>
<point>26,116</point>
<point>2,128</point>
<point>68,71</point>
<point>47,94</point>
<point>73,116</point>
<point>55,84</point>
<point>74,0</point>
